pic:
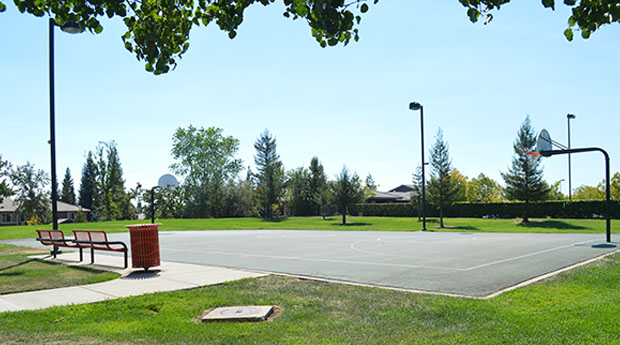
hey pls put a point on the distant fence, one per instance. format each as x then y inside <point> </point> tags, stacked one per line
<point>554,209</point>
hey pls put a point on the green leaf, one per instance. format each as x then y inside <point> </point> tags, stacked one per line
<point>549,3</point>
<point>2,7</point>
<point>364,8</point>
<point>569,34</point>
<point>98,29</point>
<point>232,34</point>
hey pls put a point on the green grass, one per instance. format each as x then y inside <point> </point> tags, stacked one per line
<point>19,273</point>
<point>333,223</point>
<point>575,307</point>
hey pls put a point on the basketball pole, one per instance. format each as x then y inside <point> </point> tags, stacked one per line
<point>607,189</point>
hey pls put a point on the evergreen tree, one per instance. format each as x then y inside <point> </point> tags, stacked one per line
<point>318,186</point>
<point>270,176</point>
<point>524,180</point>
<point>68,192</point>
<point>299,192</point>
<point>442,188</point>
<point>416,193</point>
<point>347,191</point>
<point>110,201</point>
<point>87,183</point>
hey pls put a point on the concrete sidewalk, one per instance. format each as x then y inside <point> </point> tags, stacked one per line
<point>169,276</point>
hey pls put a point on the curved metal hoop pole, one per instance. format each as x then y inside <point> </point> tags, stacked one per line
<point>607,191</point>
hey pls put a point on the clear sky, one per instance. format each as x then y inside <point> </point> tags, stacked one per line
<point>346,105</point>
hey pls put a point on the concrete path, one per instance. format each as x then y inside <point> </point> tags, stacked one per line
<point>169,276</point>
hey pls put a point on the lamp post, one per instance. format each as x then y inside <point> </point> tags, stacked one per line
<point>570,186</point>
<point>417,106</point>
<point>71,28</point>
<point>153,204</point>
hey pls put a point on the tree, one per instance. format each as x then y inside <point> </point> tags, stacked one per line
<point>87,183</point>
<point>158,31</point>
<point>270,175</point>
<point>299,192</point>
<point>442,188</point>
<point>416,193</point>
<point>110,200</point>
<point>461,185</point>
<point>29,184</point>
<point>524,180</point>
<point>206,159</point>
<point>483,189</point>
<point>555,193</point>
<point>347,191</point>
<point>4,171</point>
<point>369,187</point>
<point>318,186</point>
<point>586,15</point>
<point>68,192</point>
<point>584,192</point>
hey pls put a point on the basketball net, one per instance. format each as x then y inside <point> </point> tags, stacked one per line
<point>532,157</point>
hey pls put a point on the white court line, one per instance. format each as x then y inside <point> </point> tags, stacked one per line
<point>320,260</point>
<point>353,247</point>
<point>526,255</point>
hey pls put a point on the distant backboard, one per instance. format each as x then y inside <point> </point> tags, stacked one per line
<point>543,142</point>
<point>167,181</point>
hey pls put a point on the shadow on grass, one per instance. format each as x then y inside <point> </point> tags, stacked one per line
<point>11,274</point>
<point>274,220</point>
<point>16,265</point>
<point>352,224</point>
<point>552,224</point>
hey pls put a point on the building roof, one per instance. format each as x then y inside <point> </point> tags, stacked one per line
<point>9,206</point>
<point>402,188</point>
<point>401,193</point>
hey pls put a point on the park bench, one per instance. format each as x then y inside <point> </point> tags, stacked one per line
<point>83,239</point>
<point>56,239</point>
<point>98,240</point>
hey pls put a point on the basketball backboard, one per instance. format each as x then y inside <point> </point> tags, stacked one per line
<point>543,142</point>
<point>167,181</point>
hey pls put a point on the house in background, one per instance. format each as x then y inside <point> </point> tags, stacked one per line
<point>401,193</point>
<point>66,212</point>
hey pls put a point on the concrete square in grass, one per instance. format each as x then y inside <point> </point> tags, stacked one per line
<point>239,313</point>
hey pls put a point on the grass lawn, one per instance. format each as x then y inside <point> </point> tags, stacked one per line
<point>333,223</point>
<point>576,307</point>
<point>19,273</point>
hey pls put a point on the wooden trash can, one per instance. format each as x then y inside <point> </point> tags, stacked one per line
<point>144,240</point>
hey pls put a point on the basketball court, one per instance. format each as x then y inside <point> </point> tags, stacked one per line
<point>466,264</point>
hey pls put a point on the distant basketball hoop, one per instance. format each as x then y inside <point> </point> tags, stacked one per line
<point>532,157</point>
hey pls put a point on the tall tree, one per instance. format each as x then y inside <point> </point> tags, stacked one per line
<point>270,175</point>
<point>483,189</point>
<point>416,193</point>
<point>29,184</point>
<point>318,186</point>
<point>442,188</point>
<point>555,192</point>
<point>299,192</point>
<point>206,159</point>
<point>5,167</point>
<point>111,201</point>
<point>68,192</point>
<point>347,191</point>
<point>87,183</point>
<point>524,180</point>
<point>461,182</point>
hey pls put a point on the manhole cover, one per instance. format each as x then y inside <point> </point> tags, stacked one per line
<point>239,313</point>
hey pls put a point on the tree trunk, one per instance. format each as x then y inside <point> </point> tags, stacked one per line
<point>441,217</point>
<point>344,218</point>
<point>525,217</point>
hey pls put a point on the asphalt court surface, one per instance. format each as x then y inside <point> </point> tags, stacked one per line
<point>469,264</point>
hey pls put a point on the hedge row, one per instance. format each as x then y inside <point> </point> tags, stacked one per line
<point>554,209</point>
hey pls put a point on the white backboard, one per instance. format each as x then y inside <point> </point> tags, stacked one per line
<point>167,181</point>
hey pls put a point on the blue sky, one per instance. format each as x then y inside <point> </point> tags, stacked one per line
<point>346,105</point>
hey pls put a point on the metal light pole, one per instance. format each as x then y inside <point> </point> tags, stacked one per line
<point>153,204</point>
<point>71,28</point>
<point>570,186</point>
<point>416,106</point>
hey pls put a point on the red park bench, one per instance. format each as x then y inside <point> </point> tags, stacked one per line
<point>83,239</point>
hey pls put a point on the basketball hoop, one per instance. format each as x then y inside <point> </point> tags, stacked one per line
<point>532,157</point>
